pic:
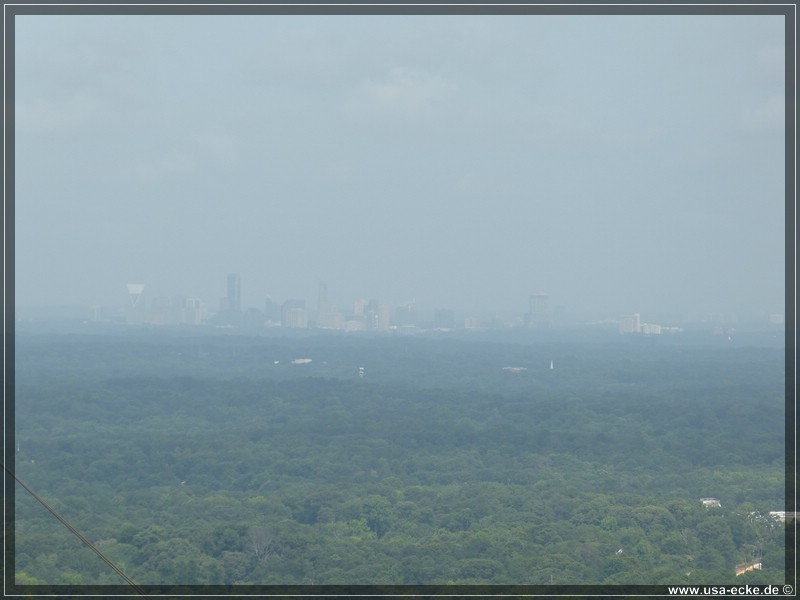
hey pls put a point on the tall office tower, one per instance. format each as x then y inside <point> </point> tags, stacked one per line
<point>376,316</point>
<point>539,303</point>
<point>193,312</point>
<point>384,317</point>
<point>631,324</point>
<point>371,314</point>
<point>135,312</point>
<point>323,307</point>
<point>358,307</point>
<point>538,310</point>
<point>234,297</point>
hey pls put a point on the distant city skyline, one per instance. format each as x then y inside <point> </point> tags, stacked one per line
<point>142,305</point>
<point>619,163</point>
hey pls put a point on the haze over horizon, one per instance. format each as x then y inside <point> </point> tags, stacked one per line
<point>617,163</point>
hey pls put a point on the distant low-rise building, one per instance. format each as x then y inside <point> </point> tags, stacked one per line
<point>723,331</point>
<point>745,567</point>
<point>332,320</point>
<point>671,330</point>
<point>710,502</point>
<point>651,329</point>
<point>783,516</point>
<point>354,324</point>
<point>472,323</point>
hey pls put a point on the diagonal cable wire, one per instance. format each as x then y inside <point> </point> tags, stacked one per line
<point>77,533</point>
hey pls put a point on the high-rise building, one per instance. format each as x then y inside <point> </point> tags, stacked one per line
<point>293,314</point>
<point>296,318</point>
<point>323,307</point>
<point>371,315</point>
<point>384,317</point>
<point>376,316</point>
<point>230,307</point>
<point>650,329</point>
<point>234,297</point>
<point>358,307</point>
<point>192,311</point>
<point>538,310</point>
<point>630,324</point>
<point>322,298</point>
<point>539,303</point>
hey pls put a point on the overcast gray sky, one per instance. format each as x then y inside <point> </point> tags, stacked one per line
<point>617,163</point>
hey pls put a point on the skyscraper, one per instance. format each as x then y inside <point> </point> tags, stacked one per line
<point>539,304</point>
<point>376,316</point>
<point>323,307</point>
<point>631,324</point>
<point>234,293</point>
<point>193,311</point>
<point>538,310</point>
<point>358,307</point>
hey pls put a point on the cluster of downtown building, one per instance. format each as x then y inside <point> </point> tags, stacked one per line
<point>365,315</point>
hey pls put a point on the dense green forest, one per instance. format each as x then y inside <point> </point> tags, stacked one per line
<point>213,459</point>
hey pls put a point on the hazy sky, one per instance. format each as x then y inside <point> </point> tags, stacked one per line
<point>617,163</point>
